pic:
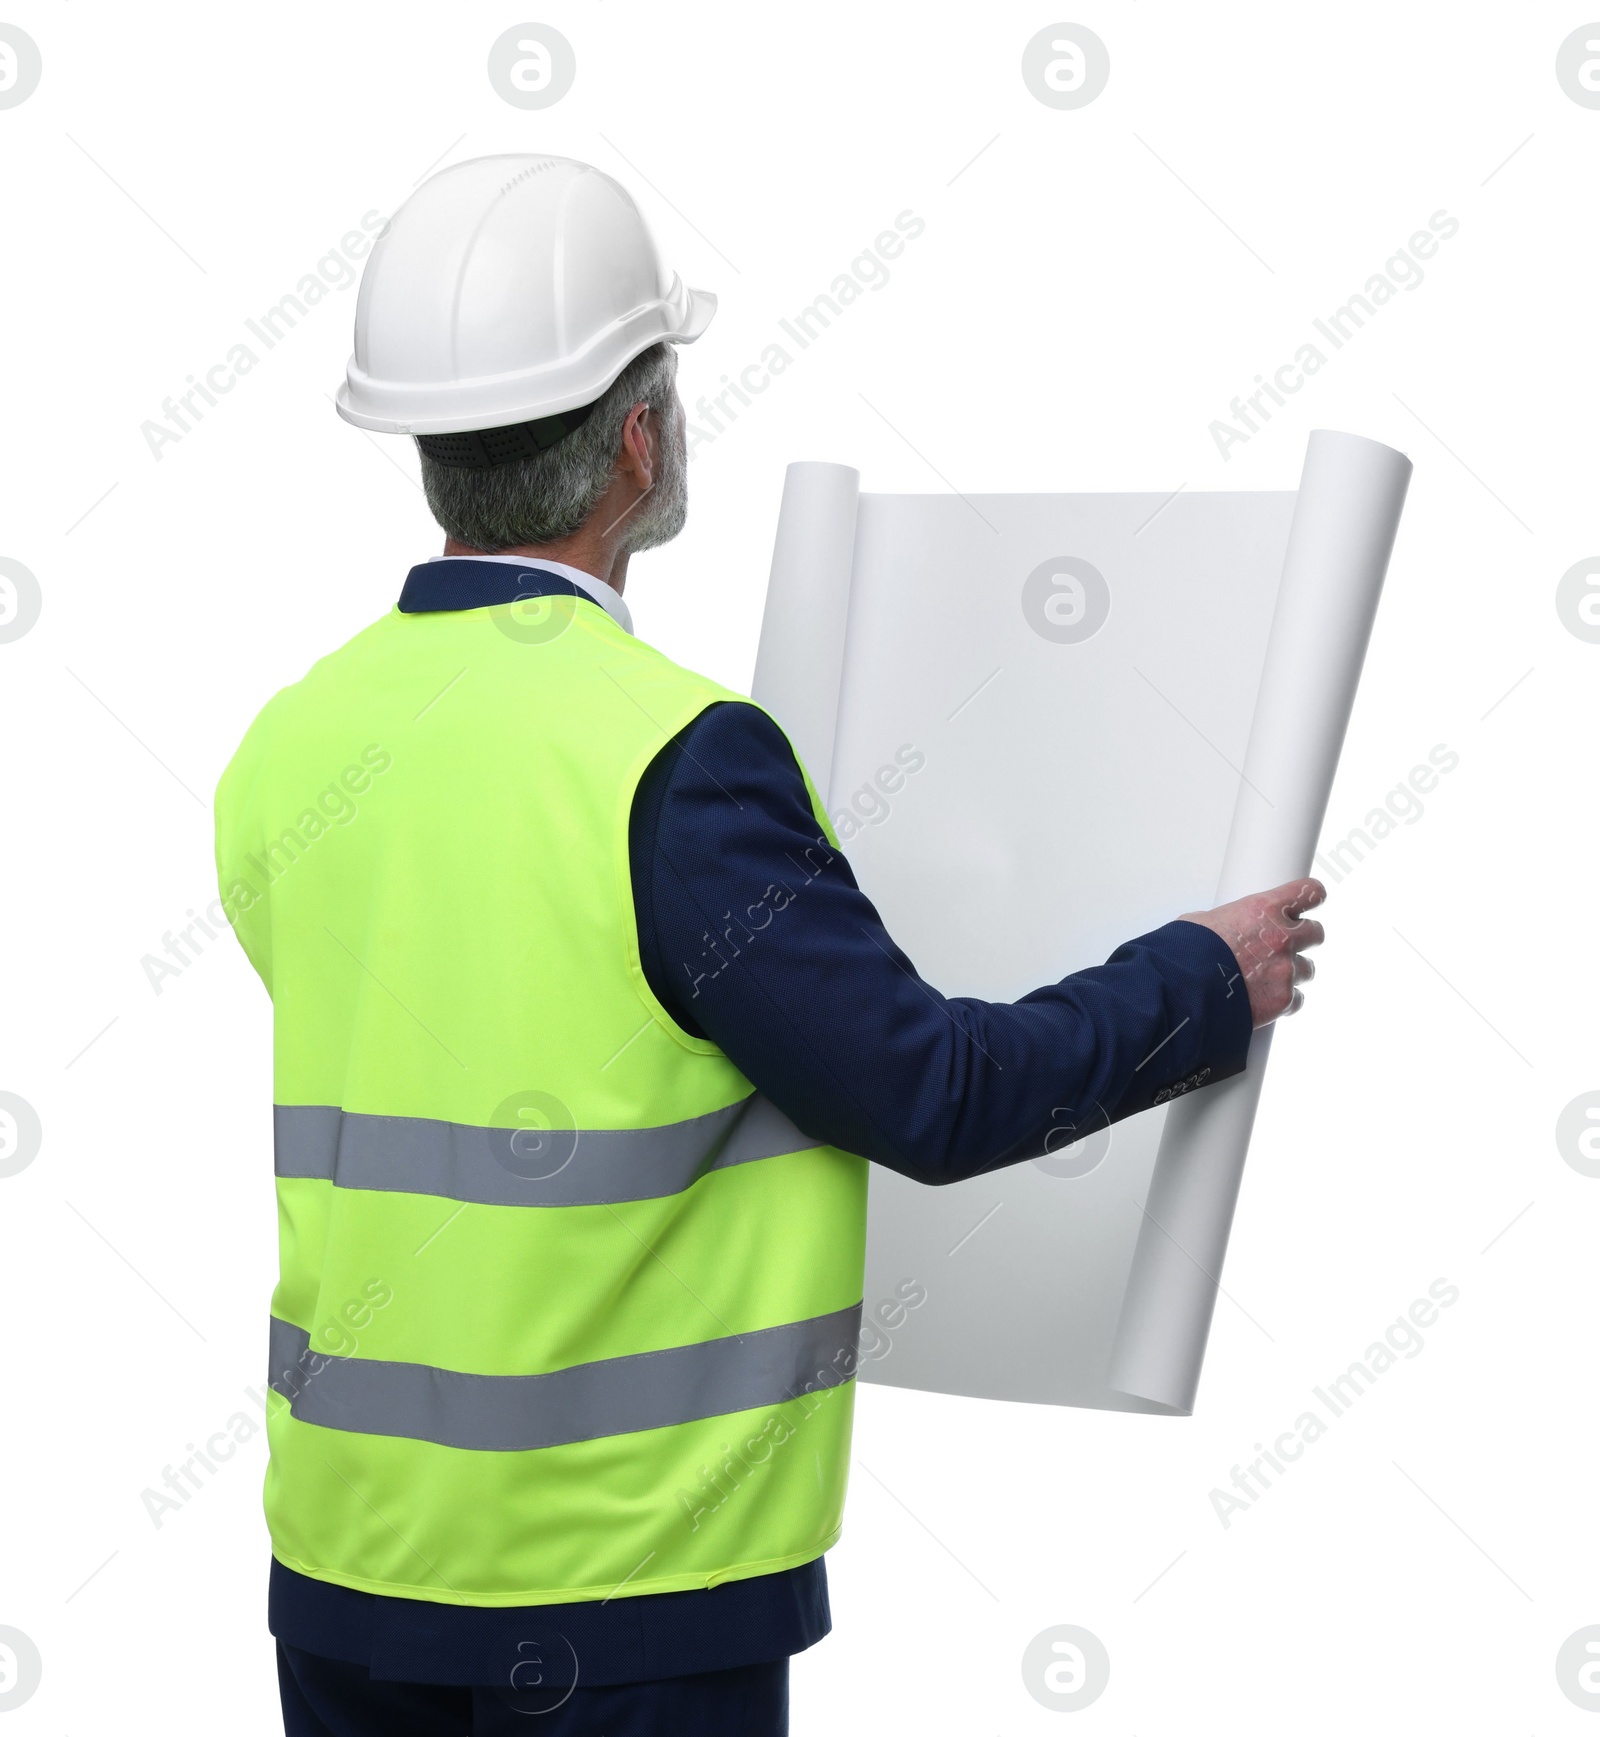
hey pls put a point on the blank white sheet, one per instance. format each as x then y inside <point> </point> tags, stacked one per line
<point>1070,792</point>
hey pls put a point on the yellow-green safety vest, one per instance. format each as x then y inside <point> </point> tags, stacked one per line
<point>566,1309</point>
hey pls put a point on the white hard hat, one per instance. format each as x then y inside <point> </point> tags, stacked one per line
<point>504,290</point>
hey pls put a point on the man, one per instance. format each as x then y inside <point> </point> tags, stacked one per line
<point>584,1036</point>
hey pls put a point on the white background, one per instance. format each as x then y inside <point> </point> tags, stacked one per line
<point>1092,289</point>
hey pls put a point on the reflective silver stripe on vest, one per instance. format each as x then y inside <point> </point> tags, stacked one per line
<point>525,1167</point>
<point>616,1396</point>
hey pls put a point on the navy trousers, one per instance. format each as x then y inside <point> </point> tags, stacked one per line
<point>329,1698</point>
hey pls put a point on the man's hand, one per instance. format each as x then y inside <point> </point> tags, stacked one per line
<point>1269,936</point>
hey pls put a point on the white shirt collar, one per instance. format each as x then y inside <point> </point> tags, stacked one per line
<point>602,593</point>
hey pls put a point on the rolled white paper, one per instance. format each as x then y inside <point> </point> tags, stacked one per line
<point>801,655</point>
<point>1345,519</point>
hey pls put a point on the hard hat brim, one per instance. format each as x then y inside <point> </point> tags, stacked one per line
<point>466,407</point>
<point>702,305</point>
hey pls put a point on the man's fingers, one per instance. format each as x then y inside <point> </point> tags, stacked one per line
<point>1267,933</point>
<point>1307,933</point>
<point>1293,897</point>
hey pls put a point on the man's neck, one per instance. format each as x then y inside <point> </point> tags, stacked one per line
<point>589,554</point>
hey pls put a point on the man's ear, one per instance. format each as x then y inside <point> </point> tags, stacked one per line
<point>640,445</point>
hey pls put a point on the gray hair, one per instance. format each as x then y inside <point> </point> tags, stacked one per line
<point>549,496</point>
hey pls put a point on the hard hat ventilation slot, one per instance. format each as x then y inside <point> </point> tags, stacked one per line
<point>537,168</point>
